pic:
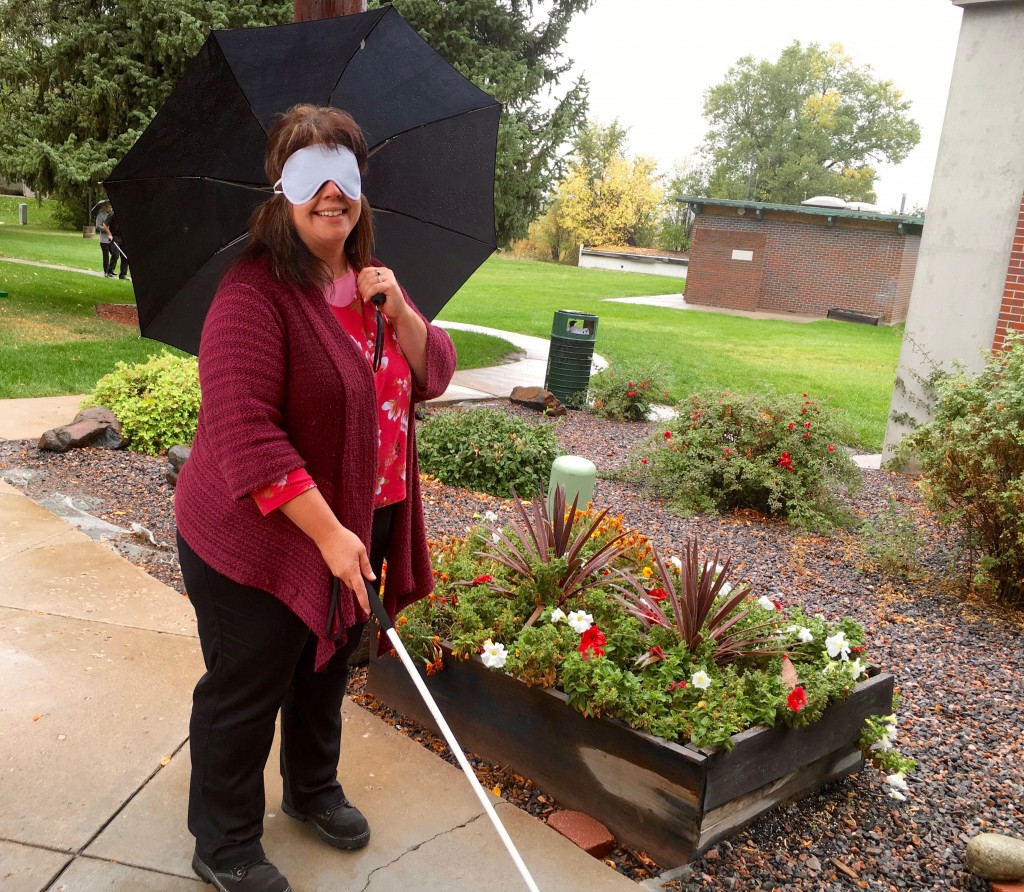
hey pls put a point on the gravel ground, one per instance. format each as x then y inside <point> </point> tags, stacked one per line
<point>958,661</point>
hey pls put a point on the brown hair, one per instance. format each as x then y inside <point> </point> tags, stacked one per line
<point>271,231</point>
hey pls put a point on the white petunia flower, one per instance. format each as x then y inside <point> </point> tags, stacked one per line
<point>766,602</point>
<point>897,781</point>
<point>701,680</point>
<point>837,646</point>
<point>725,589</point>
<point>495,538</point>
<point>580,621</point>
<point>675,562</point>
<point>494,655</point>
<point>897,795</point>
<point>857,668</point>
<point>558,615</point>
<point>490,516</point>
<point>805,635</point>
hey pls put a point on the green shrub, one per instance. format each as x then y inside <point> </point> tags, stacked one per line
<point>891,542</point>
<point>487,450</point>
<point>972,461</point>
<point>627,392</point>
<point>776,454</point>
<point>157,401</point>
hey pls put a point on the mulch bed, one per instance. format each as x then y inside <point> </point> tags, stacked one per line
<point>958,660</point>
<point>125,314</point>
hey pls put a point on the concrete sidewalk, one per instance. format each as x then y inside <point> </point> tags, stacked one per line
<point>97,665</point>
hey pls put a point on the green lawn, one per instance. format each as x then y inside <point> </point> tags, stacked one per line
<point>850,367</point>
<point>51,341</point>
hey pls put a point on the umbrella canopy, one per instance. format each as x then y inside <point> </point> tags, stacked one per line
<point>185,191</point>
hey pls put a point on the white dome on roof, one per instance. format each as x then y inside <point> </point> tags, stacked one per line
<point>825,201</point>
<point>864,206</point>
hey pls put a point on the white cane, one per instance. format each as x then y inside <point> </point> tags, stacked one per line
<point>389,629</point>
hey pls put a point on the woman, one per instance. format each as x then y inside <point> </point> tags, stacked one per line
<point>303,469</point>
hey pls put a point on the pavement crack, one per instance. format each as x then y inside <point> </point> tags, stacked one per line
<point>419,845</point>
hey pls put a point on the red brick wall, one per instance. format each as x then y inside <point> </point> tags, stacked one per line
<point>1011,311</point>
<point>800,265</point>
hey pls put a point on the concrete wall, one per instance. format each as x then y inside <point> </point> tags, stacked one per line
<point>792,262</point>
<point>973,209</point>
<point>638,263</point>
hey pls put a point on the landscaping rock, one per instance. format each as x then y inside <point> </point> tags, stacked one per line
<point>537,398</point>
<point>176,456</point>
<point>97,427</point>
<point>590,835</point>
<point>993,856</point>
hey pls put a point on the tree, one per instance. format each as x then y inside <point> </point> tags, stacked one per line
<point>811,123</point>
<point>607,197</point>
<point>81,79</point>
<point>511,50</point>
<point>676,224</point>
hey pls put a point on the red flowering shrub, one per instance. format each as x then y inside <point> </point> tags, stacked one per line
<point>774,454</point>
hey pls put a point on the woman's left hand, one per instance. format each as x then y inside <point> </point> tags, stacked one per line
<point>373,280</point>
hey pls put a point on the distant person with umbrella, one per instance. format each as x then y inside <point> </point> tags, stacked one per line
<point>113,228</point>
<point>102,215</point>
<point>303,470</point>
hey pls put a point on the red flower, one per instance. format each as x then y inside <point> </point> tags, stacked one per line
<point>677,686</point>
<point>805,396</point>
<point>630,393</point>
<point>791,425</point>
<point>831,448</point>
<point>786,461</point>
<point>480,580</point>
<point>668,435</point>
<point>728,451</point>
<point>631,384</point>
<point>778,605</point>
<point>592,640</point>
<point>797,699</point>
<point>643,461</point>
<point>807,424</point>
<point>806,435</point>
<point>658,594</point>
<point>803,411</point>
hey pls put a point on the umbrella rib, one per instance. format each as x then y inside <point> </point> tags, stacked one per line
<point>459,114</point>
<point>479,241</point>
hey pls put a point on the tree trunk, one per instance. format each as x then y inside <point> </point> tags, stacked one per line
<point>306,10</point>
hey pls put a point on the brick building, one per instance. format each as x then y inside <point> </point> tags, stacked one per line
<point>748,255</point>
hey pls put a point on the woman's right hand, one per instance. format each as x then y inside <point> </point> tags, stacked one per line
<point>342,550</point>
<point>347,559</point>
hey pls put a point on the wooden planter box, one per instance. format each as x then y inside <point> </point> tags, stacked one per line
<point>672,801</point>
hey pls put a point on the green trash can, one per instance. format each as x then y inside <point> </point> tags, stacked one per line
<point>570,355</point>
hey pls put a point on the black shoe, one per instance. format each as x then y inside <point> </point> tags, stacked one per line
<point>108,275</point>
<point>257,876</point>
<point>122,276</point>
<point>342,826</point>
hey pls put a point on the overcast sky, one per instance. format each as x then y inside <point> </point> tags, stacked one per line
<point>649,62</point>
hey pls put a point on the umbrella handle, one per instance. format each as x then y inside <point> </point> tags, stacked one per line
<point>377,607</point>
<point>378,345</point>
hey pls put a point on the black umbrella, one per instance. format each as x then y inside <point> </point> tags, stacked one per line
<point>185,191</point>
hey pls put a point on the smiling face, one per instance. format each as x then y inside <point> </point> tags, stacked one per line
<point>324,224</point>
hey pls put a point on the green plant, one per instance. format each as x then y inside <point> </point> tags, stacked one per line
<point>777,455</point>
<point>599,648</point>
<point>552,555</point>
<point>972,461</point>
<point>486,450</point>
<point>626,392</point>
<point>157,401</point>
<point>705,609</point>
<point>890,541</point>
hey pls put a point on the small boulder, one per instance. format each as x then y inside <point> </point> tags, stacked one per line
<point>537,398</point>
<point>994,856</point>
<point>176,457</point>
<point>589,834</point>
<point>96,427</point>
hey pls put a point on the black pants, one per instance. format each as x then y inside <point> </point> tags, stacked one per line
<point>117,253</point>
<point>108,250</point>
<point>259,659</point>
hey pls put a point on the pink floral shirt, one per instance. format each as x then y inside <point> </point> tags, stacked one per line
<point>394,387</point>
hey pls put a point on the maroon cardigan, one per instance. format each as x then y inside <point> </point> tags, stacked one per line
<point>285,387</point>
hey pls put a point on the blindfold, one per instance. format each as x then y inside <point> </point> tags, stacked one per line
<point>308,169</point>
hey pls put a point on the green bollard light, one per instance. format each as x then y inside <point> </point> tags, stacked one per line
<point>577,475</point>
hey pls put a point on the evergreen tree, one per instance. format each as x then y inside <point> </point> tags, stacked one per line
<point>81,79</point>
<point>511,49</point>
